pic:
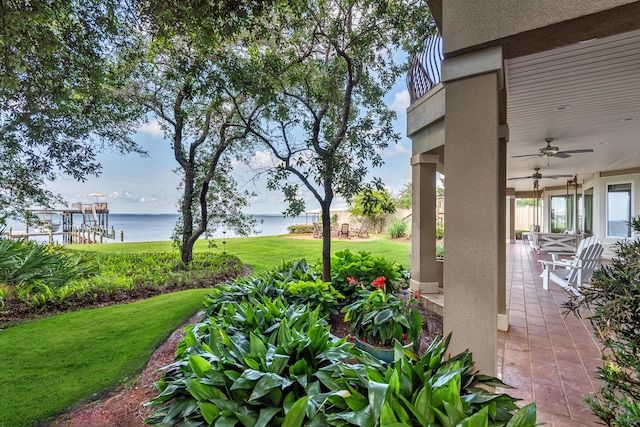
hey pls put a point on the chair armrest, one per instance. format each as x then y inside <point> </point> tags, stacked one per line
<point>555,255</point>
<point>558,263</point>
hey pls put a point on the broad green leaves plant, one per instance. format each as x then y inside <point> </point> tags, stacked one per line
<point>429,391</point>
<point>296,281</point>
<point>315,293</point>
<point>379,318</point>
<point>258,359</point>
<point>254,363</point>
<point>362,268</point>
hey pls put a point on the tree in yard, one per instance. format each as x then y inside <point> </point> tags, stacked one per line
<point>403,198</point>
<point>326,68</point>
<point>372,204</point>
<point>526,202</point>
<point>184,85</point>
<point>58,109</point>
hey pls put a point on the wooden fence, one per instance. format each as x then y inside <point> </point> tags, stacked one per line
<point>525,217</point>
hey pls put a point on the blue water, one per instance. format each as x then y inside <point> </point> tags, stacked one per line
<point>154,227</point>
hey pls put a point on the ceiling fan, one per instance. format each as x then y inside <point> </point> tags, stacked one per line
<point>537,175</point>
<point>550,151</point>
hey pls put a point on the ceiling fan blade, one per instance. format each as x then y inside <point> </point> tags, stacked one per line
<point>520,177</point>
<point>527,155</point>
<point>585,150</point>
<point>558,176</point>
<point>561,155</point>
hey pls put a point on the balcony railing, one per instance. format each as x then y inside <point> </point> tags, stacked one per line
<point>425,67</point>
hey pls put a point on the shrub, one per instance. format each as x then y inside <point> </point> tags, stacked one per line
<point>435,390</point>
<point>300,228</point>
<point>380,319</point>
<point>518,233</point>
<point>397,228</point>
<point>362,269</point>
<point>296,281</point>
<point>440,249</point>
<point>32,266</point>
<point>233,368</point>
<point>265,361</point>
<point>614,298</point>
<point>317,294</point>
<point>154,272</point>
<point>439,231</point>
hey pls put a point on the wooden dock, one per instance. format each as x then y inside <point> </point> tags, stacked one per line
<point>94,227</point>
<point>75,236</point>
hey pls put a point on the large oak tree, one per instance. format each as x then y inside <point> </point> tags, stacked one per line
<point>327,66</point>
<point>57,107</point>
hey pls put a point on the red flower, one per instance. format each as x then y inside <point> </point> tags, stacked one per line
<point>363,340</point>
<point>351,280</point>
<point>418,294</point>
<point>379,282</point>
<point>404,337</point>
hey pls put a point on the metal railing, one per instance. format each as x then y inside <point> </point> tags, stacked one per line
<point>426,67</point>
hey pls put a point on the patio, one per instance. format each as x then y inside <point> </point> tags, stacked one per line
<point>550,359</point>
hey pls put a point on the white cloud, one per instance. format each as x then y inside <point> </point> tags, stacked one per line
<point>401,149</point>
<point>259,160</point>
<point>398,149</point>
<point>132,197</point>
<point>400,101</point>
<point>152,128</point>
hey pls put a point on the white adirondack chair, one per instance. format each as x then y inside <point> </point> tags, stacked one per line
<point>575,271</point>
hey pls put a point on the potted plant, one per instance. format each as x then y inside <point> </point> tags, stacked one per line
<point>377,319</point>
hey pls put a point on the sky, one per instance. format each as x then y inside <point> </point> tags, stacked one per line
<point>134,184</point>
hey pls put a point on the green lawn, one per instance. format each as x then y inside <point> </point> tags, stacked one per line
<point>264,252</point>
<point>51,364</point>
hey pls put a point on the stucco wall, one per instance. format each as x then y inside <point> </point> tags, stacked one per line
<point>345,216</point>
<point>474,23</point>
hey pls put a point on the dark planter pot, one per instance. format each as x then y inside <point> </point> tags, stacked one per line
<point>383,353</point>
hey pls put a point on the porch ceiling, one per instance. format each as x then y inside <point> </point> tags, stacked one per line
<point>585,95</point>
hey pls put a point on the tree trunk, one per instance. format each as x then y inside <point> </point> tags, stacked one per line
<point>326,242</point>
<point>186,251</point>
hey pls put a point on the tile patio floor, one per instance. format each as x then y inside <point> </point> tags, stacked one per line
<point>550,358</point>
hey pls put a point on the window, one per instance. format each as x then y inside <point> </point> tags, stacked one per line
<point>563,213</point>
<point>618,210</point>
<point>558,214</point>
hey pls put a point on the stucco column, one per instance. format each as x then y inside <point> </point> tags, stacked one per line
<point>423,224</point>
<point>511,216</point>
<point>474,229</point>
<point>503,315</point>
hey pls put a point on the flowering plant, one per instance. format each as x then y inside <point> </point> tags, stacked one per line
<point>380,318</point>
<point>351,273</point>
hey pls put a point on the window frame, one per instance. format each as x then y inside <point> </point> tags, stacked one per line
<point>607,206</point>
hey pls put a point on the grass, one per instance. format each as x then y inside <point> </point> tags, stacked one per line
<point>51,364</point>
<point>264,252</point>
